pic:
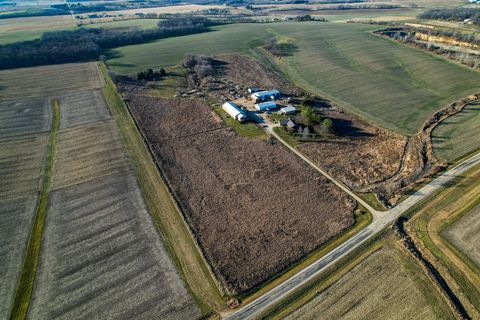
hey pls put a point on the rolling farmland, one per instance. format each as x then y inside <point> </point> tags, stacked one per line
<point>396,86</point>
<point>387,284</point>
<point>239,194</point>
<point>98,235</point>
<point>459,134</point>
<point>103,257</point>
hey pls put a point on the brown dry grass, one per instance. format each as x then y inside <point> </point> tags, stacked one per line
<point>254,207</point>
<point>172,118</point>
<point>360,154</point>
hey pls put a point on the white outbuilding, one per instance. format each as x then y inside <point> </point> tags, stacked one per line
<point>234,111</point>
<point>288,110</point>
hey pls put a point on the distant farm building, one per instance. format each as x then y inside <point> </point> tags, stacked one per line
<point>288,110</point>
<point>234,111</point>
<point>266,95</point>
<point>265,106</point>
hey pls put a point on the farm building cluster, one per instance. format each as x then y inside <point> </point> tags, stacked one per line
<point>263,101</point>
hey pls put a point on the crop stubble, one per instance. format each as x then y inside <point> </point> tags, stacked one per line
<point>465,235</point>
<point>103,258</point>
<point>386,285</point>
<point>101,213</point>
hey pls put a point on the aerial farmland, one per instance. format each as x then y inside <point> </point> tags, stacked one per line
<point>216,165</point>
<point>94,201</point>
<point>226,160</point>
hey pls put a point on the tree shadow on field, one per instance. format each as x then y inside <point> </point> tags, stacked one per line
<point>287,49</point>
<point>345,128</point>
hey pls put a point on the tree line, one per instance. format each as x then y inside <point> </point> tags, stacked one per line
<point>456,14</point>
<point>88,44</point>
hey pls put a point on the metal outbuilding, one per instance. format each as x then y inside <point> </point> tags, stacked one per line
<point>264,106</point>
<point>234,111</point>
<point>288,110</point>
<point>266,95</point>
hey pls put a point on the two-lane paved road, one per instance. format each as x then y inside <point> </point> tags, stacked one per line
<point>380,221</point>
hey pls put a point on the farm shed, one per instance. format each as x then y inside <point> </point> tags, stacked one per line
<point>265,95</point>
<point>288,110</point>
<point>234,111</point>
<point>269,105</point>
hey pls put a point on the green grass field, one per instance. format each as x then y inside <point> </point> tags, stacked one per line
<point>393,85</point>
<point>458,135</point>
<point>37,28</point>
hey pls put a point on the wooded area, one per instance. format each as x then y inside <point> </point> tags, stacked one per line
<point>89,44</point>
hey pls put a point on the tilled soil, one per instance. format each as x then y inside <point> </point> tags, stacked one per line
<point>103,259</point>
<point>254,207</point>
<point>88,151</point>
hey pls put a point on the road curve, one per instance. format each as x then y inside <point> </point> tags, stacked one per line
<point>380,221</point>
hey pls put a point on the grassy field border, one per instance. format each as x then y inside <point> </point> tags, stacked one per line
<point>166,216</point>
<point>420,225</point>
<point>362,219</point>
<point>26,280</point>
<point>303,295</point>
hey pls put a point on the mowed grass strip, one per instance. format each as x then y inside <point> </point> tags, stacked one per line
<point>393,85</point>
<point>433,224</point>
<point>32,254</point>
<point>176,234</point>
<point>458,135</point>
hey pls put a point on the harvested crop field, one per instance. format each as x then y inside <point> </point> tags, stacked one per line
<point>104,259</point>
<point>254,207</point>
<point>359,154</point>
<point>21,164</point>
<point>82,107</point>
<point>88,151</point>
<point>386,285</point>
<point>46,81</point>
<point>464,234</point>
<point>16,217</point>
<point>18,117</point>
<point>459,134</point>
